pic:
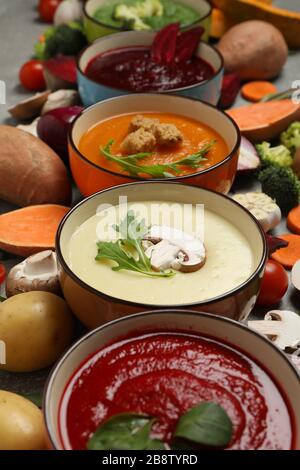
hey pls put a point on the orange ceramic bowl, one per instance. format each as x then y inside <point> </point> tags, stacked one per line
<point>91,178</point>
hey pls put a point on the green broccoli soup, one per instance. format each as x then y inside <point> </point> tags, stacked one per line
<point>145,14</point>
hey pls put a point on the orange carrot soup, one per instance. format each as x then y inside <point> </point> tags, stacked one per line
<point>158,144</point>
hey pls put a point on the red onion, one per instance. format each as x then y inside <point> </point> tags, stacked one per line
<point>53,129</point>
<point>248,159</point>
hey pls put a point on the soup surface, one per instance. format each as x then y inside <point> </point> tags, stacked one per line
<point>133,69</point>
<point>229,259</point>
<point>164,375</point>
<point>170,12</point>
<point>195,135</point>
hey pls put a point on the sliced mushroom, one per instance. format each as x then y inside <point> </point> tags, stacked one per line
<point>37,273</point>
<point>173,248</point>
<point>60,99</point>
<point>29,108</point>
<point>282,327</point>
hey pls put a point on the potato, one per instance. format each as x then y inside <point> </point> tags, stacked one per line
<point>21,424</point>
<point>36,328</point>
<point>31,173</point>
<point>254,50</point>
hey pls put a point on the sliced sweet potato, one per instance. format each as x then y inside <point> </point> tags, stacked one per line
<point>264,121</point>
<point>32,229</point>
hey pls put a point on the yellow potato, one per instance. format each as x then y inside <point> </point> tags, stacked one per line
<point>21,424</point>
<point>36,328</point>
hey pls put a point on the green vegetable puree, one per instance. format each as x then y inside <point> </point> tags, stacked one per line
<point>172,12</point>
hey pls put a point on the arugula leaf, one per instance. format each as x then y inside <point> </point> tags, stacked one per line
<point>126,431</point>
<point>206,424</point>
<point>130,163</point>
<point>128,252</point>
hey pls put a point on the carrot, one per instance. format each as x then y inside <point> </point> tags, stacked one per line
<point>289,255</point>
<point>257,90</point>
<point>264,121</point>
<point>29,230</point>
<point>293,220</point>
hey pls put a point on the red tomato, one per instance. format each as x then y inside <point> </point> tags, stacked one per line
<point>47,9</point>
<point>2,273</point>
<point>274,284</point>
<point>31,75</point>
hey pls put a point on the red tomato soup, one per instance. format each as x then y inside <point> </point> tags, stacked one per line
<point>164,375</point>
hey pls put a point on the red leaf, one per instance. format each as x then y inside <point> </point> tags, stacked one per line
<point>164,45</point>
<point>230,88</point>
<point>62,67</point>
<point>187,43</point>
<point>275,243</point>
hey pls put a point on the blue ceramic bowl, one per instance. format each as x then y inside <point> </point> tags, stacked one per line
<point>92,92</point>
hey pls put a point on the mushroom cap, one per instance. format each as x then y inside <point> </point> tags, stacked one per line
<point>37,273</point>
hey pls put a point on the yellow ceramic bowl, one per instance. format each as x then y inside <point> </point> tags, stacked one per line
<point>94,307</point>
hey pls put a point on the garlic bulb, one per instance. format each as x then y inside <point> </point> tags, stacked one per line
<point>67,11</point>
<point>262,207</point>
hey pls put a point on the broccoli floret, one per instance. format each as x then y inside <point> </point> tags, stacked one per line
<point>279,155</point>
<point>291,137</point>
<point>64,39</point>
<point>132,15</point>
<point>282,185</point>
<point>130,18</point>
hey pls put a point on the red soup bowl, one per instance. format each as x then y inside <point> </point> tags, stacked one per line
<point>162,364</point>
<point>93,306</point>
<point>91,177</point>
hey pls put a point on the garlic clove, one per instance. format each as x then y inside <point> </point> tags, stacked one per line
<point>262,207</point>
<point>296,275</point>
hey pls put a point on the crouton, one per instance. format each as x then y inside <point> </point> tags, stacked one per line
<point>138,141</point>
<point>168,134</point>
<point>140,121</point>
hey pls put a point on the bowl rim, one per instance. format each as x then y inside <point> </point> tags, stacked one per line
<point>115,28</point>
<point>132,33</point>
<point>113,299</point>
<point>155,96</point>
<point>54,371</point>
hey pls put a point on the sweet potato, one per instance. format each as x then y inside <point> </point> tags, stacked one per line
<point>287,21</point>
<point>265,121</point>
<point>255,50</point>
<point>27,231</point>
<point>31,173</point>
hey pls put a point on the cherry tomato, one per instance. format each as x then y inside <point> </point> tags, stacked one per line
<point>274,284</point>
<point>2,273</point>
<point>31,75</point>
<point>47,9</point>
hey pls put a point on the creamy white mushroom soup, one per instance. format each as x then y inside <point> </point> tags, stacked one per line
<point>150,258</point>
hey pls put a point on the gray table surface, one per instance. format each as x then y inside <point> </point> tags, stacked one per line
<point>19,30</point>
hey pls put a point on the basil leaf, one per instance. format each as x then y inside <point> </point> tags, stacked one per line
<point>2,299</point>
<point>126,431</point>
<point>206,424</point>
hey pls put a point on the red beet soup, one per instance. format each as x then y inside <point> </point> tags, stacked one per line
<point>164,375</point>
<point>133,69</point>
